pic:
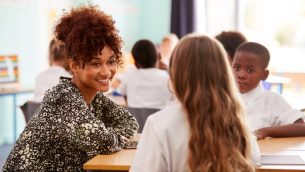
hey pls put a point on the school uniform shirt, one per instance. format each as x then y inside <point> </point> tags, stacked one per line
<point>146,88</point>
<point>48,79</point>
<point>64,133</point>
<point>164,142</point>
<point>268,109</point>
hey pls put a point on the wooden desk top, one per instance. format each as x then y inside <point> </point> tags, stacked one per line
<point>117,161</point>
<point>9,91</point>
<point>275,145</point>
<point>270,146</point>
<point>282,146</point>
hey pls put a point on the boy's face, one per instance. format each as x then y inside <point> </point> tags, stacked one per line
<point>248,70</point>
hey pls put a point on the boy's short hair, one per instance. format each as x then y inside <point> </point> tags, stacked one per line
<point>145,54</point>
<point>258,49</point>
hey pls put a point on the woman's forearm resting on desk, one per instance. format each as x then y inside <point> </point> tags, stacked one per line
<point>124,123</point>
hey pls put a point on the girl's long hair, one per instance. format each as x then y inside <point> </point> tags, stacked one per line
<point>203,82</point>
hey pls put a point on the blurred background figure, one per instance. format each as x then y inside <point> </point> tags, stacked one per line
<point>58,67</point>
<point>166,48</point>
<point>147,86</point>
<point>231,40</point>
<point>123,71</point>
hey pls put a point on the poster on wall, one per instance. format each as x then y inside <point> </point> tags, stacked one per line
<point>9,71</point>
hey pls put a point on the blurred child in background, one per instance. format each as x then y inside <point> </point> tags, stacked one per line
<point>147,86</point>
<point>166,48</point>
<point>230,41</point>
<point>58,67</point>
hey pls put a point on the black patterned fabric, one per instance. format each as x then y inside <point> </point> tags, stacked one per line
<point>64,132</point>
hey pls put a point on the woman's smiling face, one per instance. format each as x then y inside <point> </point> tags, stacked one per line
<point>96,75</point>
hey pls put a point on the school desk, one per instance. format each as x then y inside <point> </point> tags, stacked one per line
<point>270,146</point>
<point>287,150</point>
<point>14,92</point>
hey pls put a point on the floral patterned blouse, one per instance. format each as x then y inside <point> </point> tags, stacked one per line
<point>64,132</point>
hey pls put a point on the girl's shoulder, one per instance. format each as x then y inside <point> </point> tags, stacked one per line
<point>172,112</point>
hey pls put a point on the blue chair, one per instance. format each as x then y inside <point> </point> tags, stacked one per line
<point>28,109</point>
<point>141,115</point>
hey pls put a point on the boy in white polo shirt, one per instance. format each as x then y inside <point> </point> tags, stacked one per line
<point>268,114</point>
<point>146,87</point>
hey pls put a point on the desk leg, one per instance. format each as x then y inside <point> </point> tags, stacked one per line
<point>15,117</point>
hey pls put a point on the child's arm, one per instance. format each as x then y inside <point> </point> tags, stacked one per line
<point>291,130</point>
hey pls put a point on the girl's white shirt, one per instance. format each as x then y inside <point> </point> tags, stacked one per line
<point>164,142</point>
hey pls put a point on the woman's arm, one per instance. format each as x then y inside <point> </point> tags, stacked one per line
<point>115,116</point>
<point>78,126</point>
<point>71,121</point>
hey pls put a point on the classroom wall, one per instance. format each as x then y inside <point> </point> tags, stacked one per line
<point>26,29</point>
<point>21,33</point>
<point>138,19</point>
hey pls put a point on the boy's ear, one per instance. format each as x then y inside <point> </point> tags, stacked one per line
<point>265,74</point>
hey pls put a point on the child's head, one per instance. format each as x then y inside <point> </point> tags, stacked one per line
<point>203,82</point>
<point>230,41</point>
<point>250,65</point>
<point>58,55</point>
<point>166,48</point>
<point>145,54</point>
<point>168,43</point>
<point>93,47</point>
<point>197,60</point>
<point>51,54</point>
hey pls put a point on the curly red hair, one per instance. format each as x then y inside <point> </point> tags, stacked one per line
<point>86,30</point>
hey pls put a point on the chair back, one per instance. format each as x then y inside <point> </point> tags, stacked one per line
<point>28,109</point>
<point>141,115</point>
